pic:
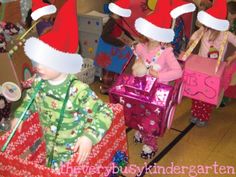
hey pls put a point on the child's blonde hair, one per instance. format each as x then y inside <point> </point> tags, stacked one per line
<point>214,34</point>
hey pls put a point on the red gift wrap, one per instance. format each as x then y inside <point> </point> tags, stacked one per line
<point>25,154</point>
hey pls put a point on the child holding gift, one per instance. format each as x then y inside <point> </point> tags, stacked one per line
<point>214,36</point>
<point>155,58</point>
<point>84,119</point>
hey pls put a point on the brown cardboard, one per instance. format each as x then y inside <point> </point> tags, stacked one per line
<point>7,70</point>
<point>12,12</point>
<point>12,68</point>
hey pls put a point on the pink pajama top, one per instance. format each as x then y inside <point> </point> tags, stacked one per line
<point>166,64</point>
<point>206,44</point>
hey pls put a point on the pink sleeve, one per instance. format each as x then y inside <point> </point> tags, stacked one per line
<point>232,38</point>
<point>173,70</point>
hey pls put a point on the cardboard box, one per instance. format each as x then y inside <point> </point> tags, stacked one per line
<point>112,58</point>
<point>200,81</point>
<point>12,12</point>
<point>25,155</point>
<point>15,68</point>
<point>90,29</point>
<point>146,103</point>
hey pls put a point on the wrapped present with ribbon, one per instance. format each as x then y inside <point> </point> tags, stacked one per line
<point>142,86</point>
<point>25,155</point>
<point>148,105</point>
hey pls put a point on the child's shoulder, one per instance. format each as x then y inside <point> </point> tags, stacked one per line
<point>141,45</point>
<point>78,84</point>
<point>168,48</point>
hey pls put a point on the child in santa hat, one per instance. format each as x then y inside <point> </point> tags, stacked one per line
<point>156,58</point>
<point>179,8</point>
<point>121,8</point>
<point>213,32</point>
<point>43,10</point>
<point>72,117</point>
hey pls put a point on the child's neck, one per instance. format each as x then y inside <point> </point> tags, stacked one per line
<point>60,79</point>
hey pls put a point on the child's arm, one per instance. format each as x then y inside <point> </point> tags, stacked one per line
<point>18,112</point>
<point>98,120</point>
<point>232,40</point>
<point>231,58</point>
<point>174,72</point>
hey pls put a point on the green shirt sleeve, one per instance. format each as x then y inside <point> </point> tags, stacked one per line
<point>25,100</point>
<point>98,116</point>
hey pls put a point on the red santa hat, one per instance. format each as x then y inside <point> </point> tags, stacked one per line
<point>157,25</point>
<point>57,49</point>
<point>180,7</point>
<point>121,8</point>
<point>215,17</point>
<point>39,9</point>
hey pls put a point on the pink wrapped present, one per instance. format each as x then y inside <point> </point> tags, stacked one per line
<point>147,103</point>
<point>25,155</point>
<point>200,81</point>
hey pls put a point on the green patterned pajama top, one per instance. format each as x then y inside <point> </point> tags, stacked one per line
<point>85,115</point>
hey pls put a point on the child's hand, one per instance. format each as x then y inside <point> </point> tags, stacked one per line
<point>84,147</point>
<point>13,124</point>
<point>139,69</point>
<point>231,59</point>
<point>153,72</point>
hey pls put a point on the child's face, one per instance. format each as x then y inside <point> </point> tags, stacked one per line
<point>47,73</point>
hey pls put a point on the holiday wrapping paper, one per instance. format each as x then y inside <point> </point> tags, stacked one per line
<point>25,155</point>
<point>148,105</point>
